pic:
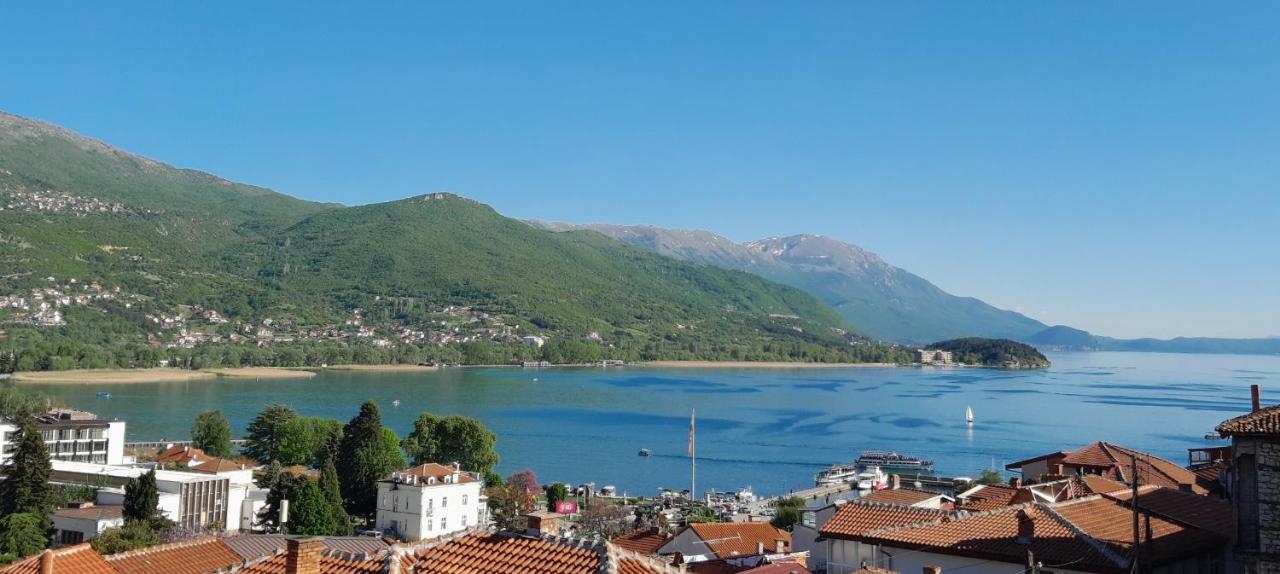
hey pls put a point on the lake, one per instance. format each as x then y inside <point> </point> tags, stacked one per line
<point>768,428</point>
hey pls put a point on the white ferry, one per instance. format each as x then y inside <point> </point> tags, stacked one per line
<point>838,474</point>
<point>873,479</point>
<point>892,461</point>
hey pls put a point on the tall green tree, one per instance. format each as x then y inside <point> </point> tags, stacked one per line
<point>142,499</point>
<point>365,461</point>
<point>262,442</point>
<point>212,434</point>
<point>392,454</point>
<point>555,492</point>
<point>279,486</point>
<point>309,512</point>
<point>332,491</point>
<point>452,439</point>
<point>26,488</point>
<point>22,534</point>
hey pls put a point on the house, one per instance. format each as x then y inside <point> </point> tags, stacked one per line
<point>1180,532</point>
<point>429,500</point>
<point>463,552</point>
<point>84,521</point>
<point>533,341</point>
<point>718,541</point>
<point>191,499</point>
<point>1110,461</point>
<point>1252,487</point>
<point>642,541</point>
<point>73,436</point>
<point>805,538</point>
<point>244,498</point>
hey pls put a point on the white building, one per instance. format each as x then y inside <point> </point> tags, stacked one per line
<point>533,341</point>
<point>430,500</point>
<point>84,522</point>
<point>193,500</point>
<point>72,435</point>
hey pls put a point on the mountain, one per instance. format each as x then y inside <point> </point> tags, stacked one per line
<point>111,259</point>
<point>1063,338</point>
<point>883,301</point>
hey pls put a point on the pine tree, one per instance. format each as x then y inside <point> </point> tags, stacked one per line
<point>212,434</point>
<point>364,459</point>
<point>142,499</point>
<point>26,484</point>
<point>309,512</point>
<point>331,489</point>
<point>262,442</point>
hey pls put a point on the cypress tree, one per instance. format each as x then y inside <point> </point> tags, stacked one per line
<point>142,499</point>
<point>331,489</point>
<point>26,487</point>
<point>364,462</point>
<point>309,512</point>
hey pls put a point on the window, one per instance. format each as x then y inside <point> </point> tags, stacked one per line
<point>464,500</point>
<point>444,501</point>
<point>444,523</point>
<point>464,521</point>
<point>70,537</point>
<point>428,525</point>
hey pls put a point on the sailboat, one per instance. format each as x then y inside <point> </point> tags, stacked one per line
<point>968,414</point>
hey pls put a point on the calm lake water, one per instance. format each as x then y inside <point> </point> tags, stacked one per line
<point>768,428</point>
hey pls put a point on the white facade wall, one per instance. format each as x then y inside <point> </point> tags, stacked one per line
<point>88,528</point>
<point>115,442</point>
<point>417,512</point>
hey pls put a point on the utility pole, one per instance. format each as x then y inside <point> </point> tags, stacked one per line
<point>1032,566</point>
<point>1133,501</point>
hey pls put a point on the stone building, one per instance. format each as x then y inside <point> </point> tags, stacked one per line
<point>1254,486</point>
<point>934,357</point>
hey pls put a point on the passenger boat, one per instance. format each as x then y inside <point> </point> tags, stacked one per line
<point>646,452</point>
<point>891,461</point>
<point>104,395</point>
<point>837,474</point>
<point>873,479</point>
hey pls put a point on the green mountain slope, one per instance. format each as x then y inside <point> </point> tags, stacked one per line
<point>110,259</point>
<point>884,301</point>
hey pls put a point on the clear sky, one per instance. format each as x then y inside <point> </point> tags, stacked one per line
<point>1109,165</point>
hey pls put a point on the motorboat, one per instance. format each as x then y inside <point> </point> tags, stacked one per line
<point>837,474</point>
<point>872,479</point>
<point>646,452</point>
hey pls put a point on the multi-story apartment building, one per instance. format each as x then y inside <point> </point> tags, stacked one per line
<point>430,500</point>
<point>71,435</point>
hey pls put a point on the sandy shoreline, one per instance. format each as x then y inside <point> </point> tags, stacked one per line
<point>384,368</point>
<point>160,375</point>
<point>758,365</point>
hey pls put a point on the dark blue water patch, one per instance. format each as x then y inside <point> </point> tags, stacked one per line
<point>1090,373</point>
<point>619,418</point>
<point>1163,387</point>
<point>721,391</point>
<point>870,388</point>
<point>913,423</point>
<point>829,387</point>
<point>825,427</point>
<point>937,395</point>
<point>760,461</point>
<point>659,382</point>
<point>1252,372</point>
<point>1185,403</point>
<point>1251,377</point>
<point>1015,391</point>
<point>787,420</point>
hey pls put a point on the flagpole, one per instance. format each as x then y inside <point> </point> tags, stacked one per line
<point>693,457</point>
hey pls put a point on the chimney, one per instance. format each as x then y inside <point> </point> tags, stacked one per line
<point>780,546</point>
<point>759,547</point>
<point>46,562</point>
<point>932,570</point>
<point>895,481</point>
<point>1026,528</point>
<point>1257,400</point>
<point>302,555</point>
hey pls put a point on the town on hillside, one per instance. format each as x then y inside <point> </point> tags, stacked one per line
<point>308,495</point>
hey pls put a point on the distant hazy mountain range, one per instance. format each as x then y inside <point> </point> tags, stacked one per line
<point>1062,337</point>
<point>881,300</point>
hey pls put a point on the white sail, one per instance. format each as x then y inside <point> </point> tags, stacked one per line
<point>968,414</point>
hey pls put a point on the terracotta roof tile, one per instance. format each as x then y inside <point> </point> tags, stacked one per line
<point>1263,421</point>
<point>643,541</point>
<point>637,566</point>
<point>436,471</point>
<point>903,496</point>
<point>484,553</point>
<point>78,559</point>
<point>329,564</point>
<point>856,518</point>
<point>727,539</point>
<point>1101,485</point>
<point>180,454</point>
<point>988,497</point>
<point>1204,512</point>
<point>789,567</point>
<point>254,546</point>
<point>1164,541</point>
<point>200,556</point>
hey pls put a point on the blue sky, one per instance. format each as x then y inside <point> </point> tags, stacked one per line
<point>1111,166</point>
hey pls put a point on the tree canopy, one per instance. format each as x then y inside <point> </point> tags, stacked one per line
<point>26,487</point>
<point>266,430</point>
<point>211,433</point>
<point>451,439</point>
<point>366,459</point>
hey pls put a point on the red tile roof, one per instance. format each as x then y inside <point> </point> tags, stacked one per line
<point>726,539</point>
<point>789,567</point>
<point>329,564</point>
<point>78,559</point>
<point>857,518</point>
<point>180,454</point>
<point>200,556</point>
<point>254,546</point>
<point>643,541</point>
<point>903,496</point>
<point>1100,485</point>
<point>436,471</point>
<point>1115,462</point>
<point>95,512</point>
<point>988,497</point>
<point>1204,512</point>
<point>484,553</point>
<point>1164,541</point>
<point>1260,422</point>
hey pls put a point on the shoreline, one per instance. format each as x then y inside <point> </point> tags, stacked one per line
<point>381,368</point>
<point>759,365</point>
<point>156,375</point>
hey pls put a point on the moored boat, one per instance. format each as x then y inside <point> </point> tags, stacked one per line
<point>872,479</point>
<point>892,462</point>
<point>837,474</point>
<point>646,452</point>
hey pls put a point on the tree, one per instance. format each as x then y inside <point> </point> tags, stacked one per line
<point>990,476</point>
<point>309,512</point>
<point>330,487</point>
<point>504,507</point>
<point>452,439</point>
<point>22,534</point>
<point>279,486</point>
<point>365,461</point>
<point>787,512</point>
<point>392,455</point>
<point>606,519</point>
<point>131,536</point>
<point>26,486</point>
<point>19,404</point>
<point>142,499</point>
<point>555,492</point>
<point>525,485</point>
<point>212,434</point>
<point>262,442</point>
